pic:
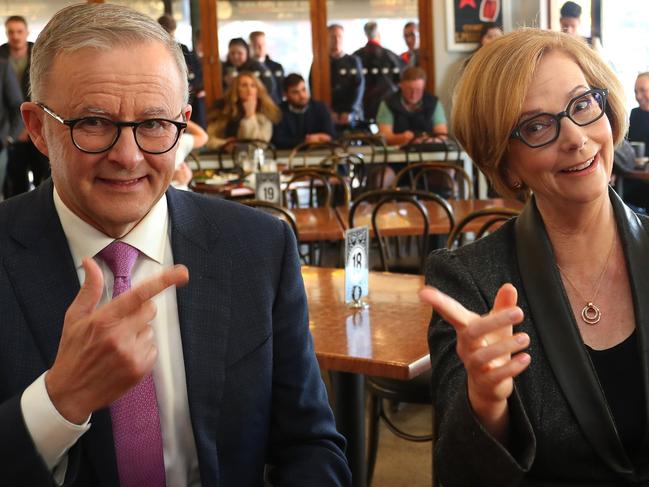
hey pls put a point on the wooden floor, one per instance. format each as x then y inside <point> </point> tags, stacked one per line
<point>405,463</point>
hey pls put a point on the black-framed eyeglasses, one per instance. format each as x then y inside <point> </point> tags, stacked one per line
<point>544,128</point>
<point>94,135</point>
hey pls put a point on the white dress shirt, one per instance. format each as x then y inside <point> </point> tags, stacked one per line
<point>52,434</point>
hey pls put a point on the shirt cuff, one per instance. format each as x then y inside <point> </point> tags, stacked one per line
<point>52,434</point>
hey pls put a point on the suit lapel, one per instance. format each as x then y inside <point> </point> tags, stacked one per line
<point>558,332</point>
<point>204,310</point>
<point>46,282</point>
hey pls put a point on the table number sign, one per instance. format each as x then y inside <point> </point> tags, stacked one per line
<point>268,188</point>
<point>357,266</point>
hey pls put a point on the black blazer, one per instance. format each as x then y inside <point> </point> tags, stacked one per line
<point>253,383</point>
<point>562,433</point>
<point>25,81</point>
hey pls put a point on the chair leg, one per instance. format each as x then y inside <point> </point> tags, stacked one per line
<point>375,407</point>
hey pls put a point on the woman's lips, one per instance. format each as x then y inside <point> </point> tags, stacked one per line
<point>583,167</point>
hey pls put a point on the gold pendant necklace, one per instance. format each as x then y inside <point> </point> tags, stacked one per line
<point>590,313</point>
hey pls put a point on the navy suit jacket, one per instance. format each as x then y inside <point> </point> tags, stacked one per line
<point>254,387</point>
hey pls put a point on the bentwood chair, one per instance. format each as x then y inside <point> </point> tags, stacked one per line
<point>352,167</point>
<point>301,154</point>
<point>339,184</point>
<point>406,208</point>
<point>307,188</point>
<point>447,179</point>
<point>374,150</point>
<point>490,219</point>
<point>382,389</point>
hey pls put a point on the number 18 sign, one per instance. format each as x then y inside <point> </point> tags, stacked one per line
<point>356,265</point>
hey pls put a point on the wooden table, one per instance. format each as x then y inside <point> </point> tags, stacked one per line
<point>389,339</point>
<point>315,224</point>
<point>403,218</point>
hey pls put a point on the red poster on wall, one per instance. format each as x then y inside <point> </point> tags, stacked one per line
<point>465,19</point>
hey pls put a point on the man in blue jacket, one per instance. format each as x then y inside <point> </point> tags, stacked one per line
<point>108,374</point>
<point>303,119</point>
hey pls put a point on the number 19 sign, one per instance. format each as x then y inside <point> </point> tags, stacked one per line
<point>356,265</point>
<point>267,187</point>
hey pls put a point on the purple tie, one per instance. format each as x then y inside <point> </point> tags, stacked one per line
<point>135,416</point>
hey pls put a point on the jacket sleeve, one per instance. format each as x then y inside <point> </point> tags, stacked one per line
<point>465,453</point>
<point>304,446</point>
<point>326,120</point>
<point>283,135</point>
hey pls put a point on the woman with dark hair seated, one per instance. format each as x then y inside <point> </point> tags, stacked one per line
<point>246,112</point>
<point>540,330</point>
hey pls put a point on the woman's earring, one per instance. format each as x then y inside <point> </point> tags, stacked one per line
<point>517,185</point>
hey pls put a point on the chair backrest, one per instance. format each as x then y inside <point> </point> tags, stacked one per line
<point>450,147</point>
<point>416,176</point>
<point>233,150</point>
<point>381,197</point>
<point>338,183</point>
<point>312,182</point>
<point>352,166</point>
<point>488,216</point>
<point>192,158</point>
<point>276,210</point>
<point>375,144</point>
<point>300,153</point>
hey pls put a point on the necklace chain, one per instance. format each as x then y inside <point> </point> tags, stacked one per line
<point>590,313</point>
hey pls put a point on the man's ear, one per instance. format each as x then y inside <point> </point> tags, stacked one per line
<point>33,119</point>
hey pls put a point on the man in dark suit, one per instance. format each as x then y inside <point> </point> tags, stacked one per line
<point>260,53</point>
<point>11,125</point>
<point>22,154</point>
<point>96,389</point>
<point>194,73</point>
<point>382,68</point>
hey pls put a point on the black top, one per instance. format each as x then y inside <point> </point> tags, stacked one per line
<point>418,120</point>
<point>639,127</point>
<point>619,370</point>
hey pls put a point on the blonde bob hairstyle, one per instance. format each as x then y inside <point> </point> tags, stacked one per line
<point>233,109</point>
<point>489,97</point>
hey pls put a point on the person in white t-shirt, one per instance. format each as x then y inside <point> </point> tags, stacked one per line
<point>194,137</point>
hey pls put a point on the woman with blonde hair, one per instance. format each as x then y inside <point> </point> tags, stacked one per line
<point>540,330</point>
<point>247,112</point>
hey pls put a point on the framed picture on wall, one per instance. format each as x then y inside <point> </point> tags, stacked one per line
<point>464,19</point>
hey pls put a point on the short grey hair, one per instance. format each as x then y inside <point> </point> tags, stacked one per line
<point>371,30</point>
<point>97,26</point>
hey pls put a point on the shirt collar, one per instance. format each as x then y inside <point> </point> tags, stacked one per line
<point>414,108</point>
<point>298,110</point>
<point>148,236</point>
